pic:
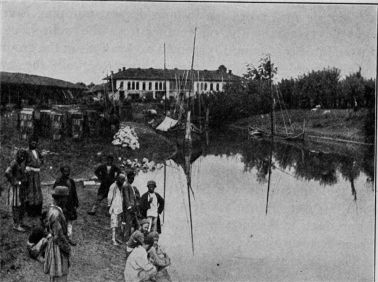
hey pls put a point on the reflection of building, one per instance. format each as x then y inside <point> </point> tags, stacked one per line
<point>155,83</point>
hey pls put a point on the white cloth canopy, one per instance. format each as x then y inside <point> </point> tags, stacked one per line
<point>166,124</point>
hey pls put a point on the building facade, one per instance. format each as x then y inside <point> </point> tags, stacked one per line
<point>158,83</point>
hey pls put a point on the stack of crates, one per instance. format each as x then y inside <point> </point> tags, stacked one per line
<point>77,124</point>
<point>45,123</point>
<point>26,123</point>
<point>56,125</point>
<point>93,122</point>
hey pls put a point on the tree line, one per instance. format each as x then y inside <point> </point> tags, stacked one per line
<point>255,93</point>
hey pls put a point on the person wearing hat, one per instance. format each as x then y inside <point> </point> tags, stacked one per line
<point>131,202</point>
<point>143,230</point>
<point>16,176</point>
<point>107,173</point>
<point>58,248</point>
<point>115,204</point>
<point>151,206</point>
<point>34,199</point>
<point>73,202</point>
<point>138,268</point>
<point>158,258</point>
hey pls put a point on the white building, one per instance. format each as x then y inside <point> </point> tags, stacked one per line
<point>157,83</point>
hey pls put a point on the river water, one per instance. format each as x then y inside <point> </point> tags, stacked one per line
<point>315,222</point>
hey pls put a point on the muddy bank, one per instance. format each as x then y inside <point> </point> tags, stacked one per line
<point>94,258</point>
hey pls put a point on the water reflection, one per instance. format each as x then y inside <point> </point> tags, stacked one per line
<point>266,204</point>
<point>313,161</point>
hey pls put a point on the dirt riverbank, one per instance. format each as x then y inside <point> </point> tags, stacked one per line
<point>94,258</point>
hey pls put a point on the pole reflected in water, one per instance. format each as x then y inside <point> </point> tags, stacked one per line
<point>270,173</point>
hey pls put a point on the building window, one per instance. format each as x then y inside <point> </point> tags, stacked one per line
<point>143,86</point>
<point>121,85</point>
<point>128,86</point>
<point>201,85</point>
<point>211,86</point>
<point>156,85</point>
<point>133,85</point>
<point>137,86</point>
<point>205,86</point>
<point>160,86</point>
<point>217,86</point>
<point>150,86</point>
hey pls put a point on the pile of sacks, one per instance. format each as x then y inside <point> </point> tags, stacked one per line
<point>126,137</point>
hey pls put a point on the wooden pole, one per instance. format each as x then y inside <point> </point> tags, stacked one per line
<point>271,94</point>
<point>165,179</point>
<point>165,83</point>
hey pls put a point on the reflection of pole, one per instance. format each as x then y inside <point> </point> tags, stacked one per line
<point>270,173</point>
<point>191,220</point>
<point>165,179</point>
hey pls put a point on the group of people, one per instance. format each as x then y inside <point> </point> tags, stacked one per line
<point>133,217</point>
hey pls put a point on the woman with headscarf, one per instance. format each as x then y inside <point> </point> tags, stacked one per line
<point>58,248</point>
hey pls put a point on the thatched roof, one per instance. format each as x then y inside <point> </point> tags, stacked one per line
<point>30,79</point>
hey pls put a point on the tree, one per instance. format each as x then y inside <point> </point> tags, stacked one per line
<point>353,89</point>
<point>264,71</point>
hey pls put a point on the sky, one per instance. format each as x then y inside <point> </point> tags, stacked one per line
<point>83,41</point>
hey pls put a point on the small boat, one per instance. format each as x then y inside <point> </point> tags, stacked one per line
<point>258,133</point>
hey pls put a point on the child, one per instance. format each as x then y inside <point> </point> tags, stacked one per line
<point>72,201</point>
<point>115,201</point>
<point>152,205</point>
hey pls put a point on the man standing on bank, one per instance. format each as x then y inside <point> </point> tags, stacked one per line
<point>107,174</point>
<point>34,197</point>
<point>131,202</point>
<point>151,206</point>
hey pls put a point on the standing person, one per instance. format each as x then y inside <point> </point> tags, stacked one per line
<point>131,202</point>
<point>16,176</point>
<point>138,268</point>
<point>72,202</point>
<point>115,203</point>
<point>152,205</point>
<point>58,249</point>
<point>34,199</point>
<point>107,174</point>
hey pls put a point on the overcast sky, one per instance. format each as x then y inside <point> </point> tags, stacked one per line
<point>81,41</point>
